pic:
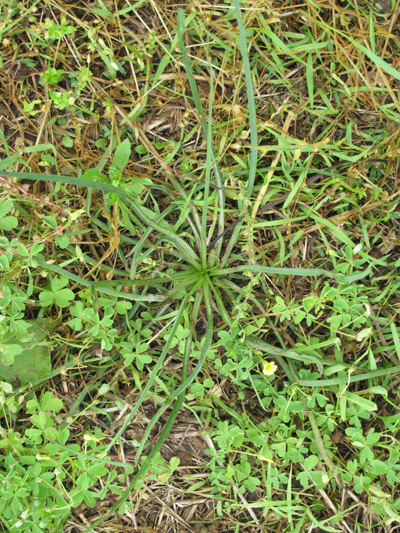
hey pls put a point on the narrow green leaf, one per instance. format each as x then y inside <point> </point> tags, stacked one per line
<point>349,378</point>
<point>336,232</point>
<point>100,286</point>
<point>203,121</point>
<point>291,354</point>
<point>396,340</point>
<point>180,244</point>
<point>144,468</point>
<point>296,188</point>
<point>372,56</point>
<point>365,404</point>
<point>250,99</point>
<point>310,79</point>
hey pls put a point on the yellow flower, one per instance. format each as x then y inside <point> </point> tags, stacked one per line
<point>263,458</point>
<point>90,437</point>
<point>269,368</point>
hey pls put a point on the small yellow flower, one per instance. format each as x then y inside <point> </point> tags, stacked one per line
<point>263,458</point>
<point>90,437</point>
<point>42,458</point>
<point>269,368</point>
<point>331,252</point>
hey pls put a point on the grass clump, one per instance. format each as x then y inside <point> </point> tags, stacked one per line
<point>199,256</point>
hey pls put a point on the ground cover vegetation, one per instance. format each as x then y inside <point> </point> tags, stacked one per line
<point>199,251</point>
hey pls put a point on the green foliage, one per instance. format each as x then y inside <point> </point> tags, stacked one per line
<point>38,464</point>
<point>25,356</point>
<point>62,100</point>
<point>7,222</point>
<point>56,31</point>
<point>57,293</point>
<point>278,333</point>
<point>53,75</point>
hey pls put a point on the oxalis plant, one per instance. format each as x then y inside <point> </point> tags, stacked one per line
<point>199,274</point>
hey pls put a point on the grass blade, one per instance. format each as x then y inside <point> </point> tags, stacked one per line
<point>251,101</point>
<point>381,63</point>
<point>350,278</point>
<point>207,181</point>
<point>180,244</point>
<point>349,378</point>
<point>203,121</point>
<point>153,374</point>
<point>179,392</point>
<point>106,288</point>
